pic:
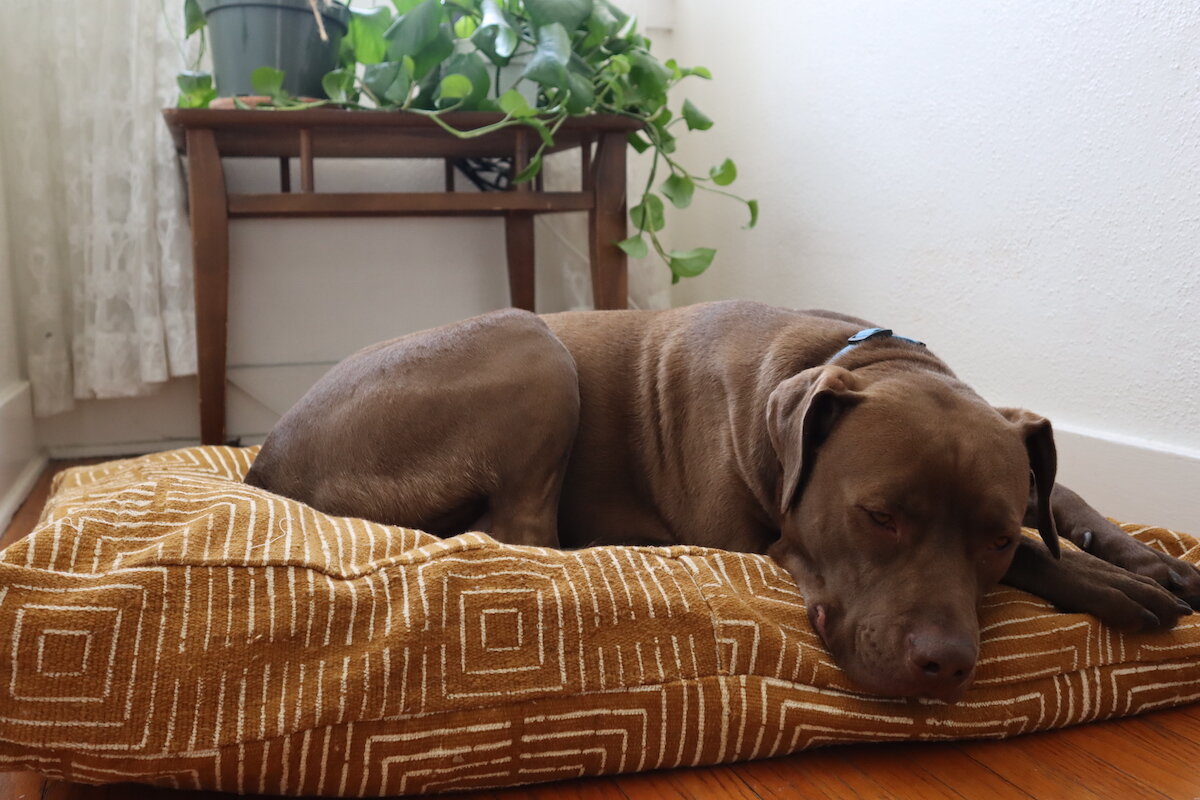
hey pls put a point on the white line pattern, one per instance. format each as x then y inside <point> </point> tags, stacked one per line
<point>168,624</point>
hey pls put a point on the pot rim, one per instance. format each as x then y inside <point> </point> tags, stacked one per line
<point>336,11</point>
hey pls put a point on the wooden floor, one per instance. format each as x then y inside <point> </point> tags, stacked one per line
<point>1153,756</point>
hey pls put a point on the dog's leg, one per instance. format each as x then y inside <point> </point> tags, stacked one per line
<point>436,428</point>
<point>529,519</point>
<point>1093,533</point>
<point>1082,583</point>
<point>524,505</point>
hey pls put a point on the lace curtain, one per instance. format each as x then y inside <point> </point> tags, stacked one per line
<point>98,238</point>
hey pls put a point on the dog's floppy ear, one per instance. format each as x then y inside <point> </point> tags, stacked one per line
<point>800,414</point>
<point>1043,461</point>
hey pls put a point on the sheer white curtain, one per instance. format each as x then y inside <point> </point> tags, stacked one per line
<point>98,238</point>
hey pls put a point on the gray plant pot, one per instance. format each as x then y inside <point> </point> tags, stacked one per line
<point>248,34</point>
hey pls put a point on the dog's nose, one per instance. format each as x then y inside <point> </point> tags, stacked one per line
<point>942,664</point>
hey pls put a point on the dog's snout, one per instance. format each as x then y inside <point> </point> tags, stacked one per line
<point>941,663</point>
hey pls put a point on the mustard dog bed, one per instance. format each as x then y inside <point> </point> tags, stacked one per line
<point>167,624</point>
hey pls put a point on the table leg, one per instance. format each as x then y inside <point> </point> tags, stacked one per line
<point>210,257</point>
<point>606,224</point>
<point>518,238</point>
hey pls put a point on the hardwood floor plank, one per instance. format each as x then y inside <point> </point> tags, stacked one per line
<point>1044,764</point>
<point>898,772</point>
<point>1182,724</point>
<point>599,788</point>
<point>21,786</point>
<point>836,771</point>
<point>934,770</point>
<point>1139,750</point>
<point>812,775</point>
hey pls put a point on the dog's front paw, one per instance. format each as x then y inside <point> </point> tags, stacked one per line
<point>1107,541</point>
<point>1082,583</point>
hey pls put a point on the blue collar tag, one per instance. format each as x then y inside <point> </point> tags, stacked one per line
<point>871,333</point>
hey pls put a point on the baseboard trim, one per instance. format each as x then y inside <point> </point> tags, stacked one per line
<point>21,460</point>
<point>1131,479</point>
<point>16,493</point>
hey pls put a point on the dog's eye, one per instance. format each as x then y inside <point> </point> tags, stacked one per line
<point>881,519</point>
<point>1002,542</point>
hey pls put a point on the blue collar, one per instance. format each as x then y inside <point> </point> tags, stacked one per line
<point>868,334</point>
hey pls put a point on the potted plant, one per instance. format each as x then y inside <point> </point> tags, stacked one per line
<point>300,38</point>
<point>533,63</point>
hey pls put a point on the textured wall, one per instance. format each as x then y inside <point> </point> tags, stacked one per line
<point>9,361</point>
<point>1015,182</point>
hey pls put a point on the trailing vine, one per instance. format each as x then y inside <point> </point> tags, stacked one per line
<point>580,57</point>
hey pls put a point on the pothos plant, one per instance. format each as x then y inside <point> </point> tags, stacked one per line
<point>583,57</point>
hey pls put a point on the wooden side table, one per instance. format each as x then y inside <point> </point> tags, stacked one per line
<point>206,136</point>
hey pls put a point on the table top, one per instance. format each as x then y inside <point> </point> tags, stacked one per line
<point>339,133</point>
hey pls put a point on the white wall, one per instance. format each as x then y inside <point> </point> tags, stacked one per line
<point>1015,182</point>
<point>21,460</point>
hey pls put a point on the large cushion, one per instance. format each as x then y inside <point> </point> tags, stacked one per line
<point>167,624</point>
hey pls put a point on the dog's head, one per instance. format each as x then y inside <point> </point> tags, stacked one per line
<point>901,498</point>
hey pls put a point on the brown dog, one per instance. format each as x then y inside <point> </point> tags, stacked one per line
<point>890,491</point>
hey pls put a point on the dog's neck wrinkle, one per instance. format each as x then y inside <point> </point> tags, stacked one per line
<point>887,356</point>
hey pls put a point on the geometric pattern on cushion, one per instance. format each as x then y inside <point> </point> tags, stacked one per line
<point>167,624</point>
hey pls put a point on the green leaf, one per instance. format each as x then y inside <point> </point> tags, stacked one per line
<point>724,174</point>
<point>466,6</point>
<point>615,16</point>
<point>583,95</point>
<point>455,86</point>
<point>465,27</point>
<point>690,263</point>
<point>753,206</point>
<point>543,131</point>
<point>532,169</point>
<point>679,190</point>
<point>649,78</point>
<point>193,81</point>
<point>695,118</point>
<point>193,17</point>
<point>699,72</point>
<point>548,66</point>
<point>496,38</point>
<point>514,103</point>
<point>474,68</point>
<point>648,214</point>
<point>412,32</point>
<point>195,89</point>
<point>268,81</point>
<point>620,65</point>
<point>638,142</point>
<point>367,27</point>
<point>634,247</point>
<point>440,48</point>
<point>197,99</point>
<point>390,81</point>
<point>338,85</point>
<point>598,31</point>
<point>662,138</point>
<point>568,13</point>
<point>405,6</point>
